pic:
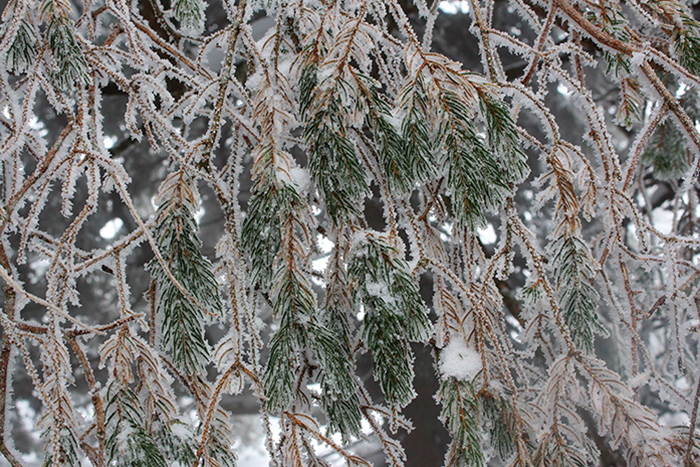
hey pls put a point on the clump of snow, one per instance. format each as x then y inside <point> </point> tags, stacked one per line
<point>459,360</point>
<point>300,177</point>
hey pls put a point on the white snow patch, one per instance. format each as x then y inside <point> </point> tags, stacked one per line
<point>674,419</point>
<point>109,141</point>
<point>111,228</point>
<point>181,430</point>
<point>324,244</point>
<point>39,268</point>
<point>452,7</point>
<point>294,176</point>
<point>663,220</point>
<point>320,265</point>
<point>487,235</point>
<point>563,90</point>
<point>459,360</point>
<point>361,314</point>
<point>300,177</point>
<point>682,89</point>
<point>380,290</point>
<point>199,214</point>
<point>682,384</point>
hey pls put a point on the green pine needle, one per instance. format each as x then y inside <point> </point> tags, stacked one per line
<point>573,273</point>
<point>183,314</point>
<point>460,415</point>
<point>261,234</point>
<point>333,159</point>
<point>71,68</point>
<point>686,45</point>
<point>666,153</point>
<point>68,448</point>
<point>395,315</point>
<point>129,443</point>
<point>190,13</point>
<point>404,154</point>
<point>22,52</point>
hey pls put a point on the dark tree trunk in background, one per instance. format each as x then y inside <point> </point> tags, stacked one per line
<point>426,445</point>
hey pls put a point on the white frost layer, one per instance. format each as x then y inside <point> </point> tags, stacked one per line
<point>459,360</point>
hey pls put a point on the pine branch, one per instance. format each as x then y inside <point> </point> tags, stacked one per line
<point>666,153</point>
<point>686,44</point>
<point>460,414</point>
<point>333,159</point>
<point>573,273</point>
<point>395,314</point>
<point>182,319</point>
<point>190,14</point>
<point>70,65</point>
<point>23,51</point>
<point>129,443</point>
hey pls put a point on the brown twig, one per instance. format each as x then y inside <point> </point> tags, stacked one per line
<point>96,401</point>
<point>5,349</point>
<point>691,434</point>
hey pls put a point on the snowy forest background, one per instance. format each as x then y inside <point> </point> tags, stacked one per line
<point>293,230</point>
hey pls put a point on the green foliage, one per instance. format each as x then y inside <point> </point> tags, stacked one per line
<point>460,415</point>
<point>404,154</point>
<point>477,176</point>
<point>71,68</point>
<point>190,13</point>
<point>172,446</point>
<point>574,271</point>
<point>665,153</point>
<point>611,20</point>
<point>294,302</point>
<point>261,232</point>
<point>686,45</point>
<point>339,388</point>
<point>22,51</point>
<point>65,450</point>
<point>440,128</point>
<point>503,138</point>
<point>394,315</point>
<point>295,307</point>
<point>299,329</point>
<point>333,159</point>
<point>135,441</point>
<point>338,304</point>
<point>350,94</point>
<point>339,393</point>
<point>183,312</point>
<point>691,104</point>
<point>499,413</point>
